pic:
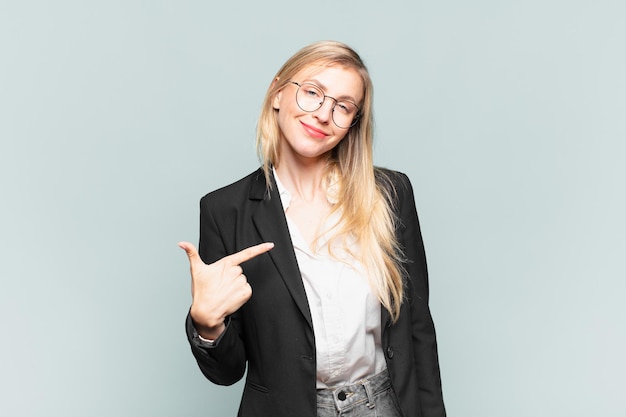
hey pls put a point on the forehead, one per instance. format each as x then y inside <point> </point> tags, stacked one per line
<point>334,79</point>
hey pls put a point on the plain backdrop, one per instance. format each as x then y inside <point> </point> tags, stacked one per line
<point>116,116</point>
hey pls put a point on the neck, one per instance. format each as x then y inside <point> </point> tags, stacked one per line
<point>305,181</point>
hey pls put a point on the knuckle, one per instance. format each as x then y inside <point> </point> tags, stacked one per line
<point>246,291</point>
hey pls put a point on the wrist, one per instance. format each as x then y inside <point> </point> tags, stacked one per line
<point>210,333</point>
<point>208,325</point>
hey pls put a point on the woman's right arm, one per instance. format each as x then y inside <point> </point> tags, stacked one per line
<point>218,289</point>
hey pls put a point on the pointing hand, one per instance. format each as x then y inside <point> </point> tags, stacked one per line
<point>218,289</point>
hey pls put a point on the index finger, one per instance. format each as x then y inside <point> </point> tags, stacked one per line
<point>248,253</point>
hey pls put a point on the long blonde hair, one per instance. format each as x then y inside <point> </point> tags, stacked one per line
<point>366,196</point>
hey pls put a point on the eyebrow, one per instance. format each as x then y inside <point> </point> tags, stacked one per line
<point>323,87</point>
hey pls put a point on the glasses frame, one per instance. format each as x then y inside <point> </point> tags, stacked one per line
<point>356,115</point>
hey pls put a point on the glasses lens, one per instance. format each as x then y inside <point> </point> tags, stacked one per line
<point>310,98</point>
<point>344,114</point>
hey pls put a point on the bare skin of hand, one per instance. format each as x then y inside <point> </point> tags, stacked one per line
<point>218,289</point>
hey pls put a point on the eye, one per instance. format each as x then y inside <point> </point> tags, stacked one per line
<point>345,107</point>
<point>311,91</point>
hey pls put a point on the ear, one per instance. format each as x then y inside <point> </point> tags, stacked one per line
<point>277,96</point>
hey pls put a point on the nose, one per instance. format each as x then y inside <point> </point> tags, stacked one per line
<point>325,112</point>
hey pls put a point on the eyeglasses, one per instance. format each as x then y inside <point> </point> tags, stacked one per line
<point>310,98</point>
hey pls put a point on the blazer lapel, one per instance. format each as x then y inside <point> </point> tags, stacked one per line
<point>269,219</point>
<point>385,323</point>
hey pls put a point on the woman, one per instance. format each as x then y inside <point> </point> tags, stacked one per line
<point>311,270</point>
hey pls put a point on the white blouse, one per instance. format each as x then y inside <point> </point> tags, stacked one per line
<point>345,312</point>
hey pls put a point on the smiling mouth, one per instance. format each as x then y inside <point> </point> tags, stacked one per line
<point>314,132</point>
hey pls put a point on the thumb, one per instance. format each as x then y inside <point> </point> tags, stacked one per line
<point>192,252</point>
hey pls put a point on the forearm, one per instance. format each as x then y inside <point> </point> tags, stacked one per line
<point>224,362</point>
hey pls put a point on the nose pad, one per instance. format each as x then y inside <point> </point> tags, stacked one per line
<point>325,112</point>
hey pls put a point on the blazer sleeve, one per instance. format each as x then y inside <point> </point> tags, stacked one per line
<point>423,330</point>
<point>225,362</point>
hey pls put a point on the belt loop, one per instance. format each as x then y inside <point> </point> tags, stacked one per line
<point>368,391</point>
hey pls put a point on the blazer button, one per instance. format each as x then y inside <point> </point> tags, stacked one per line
<point>390,352</point>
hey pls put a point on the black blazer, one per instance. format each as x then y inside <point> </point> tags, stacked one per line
<point>273,331</point>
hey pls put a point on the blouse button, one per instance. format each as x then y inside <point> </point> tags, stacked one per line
<point>390,352</point>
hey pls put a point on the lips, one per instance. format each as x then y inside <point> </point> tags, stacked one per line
<point>313,132</point>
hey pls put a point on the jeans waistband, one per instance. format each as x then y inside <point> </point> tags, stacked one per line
<point>361,391</point>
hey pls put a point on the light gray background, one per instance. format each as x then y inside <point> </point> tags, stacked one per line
<point>117,116</point>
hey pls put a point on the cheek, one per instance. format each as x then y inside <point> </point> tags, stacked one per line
<point>343,141</point>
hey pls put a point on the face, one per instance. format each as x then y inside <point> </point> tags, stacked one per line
<point>309,136</point>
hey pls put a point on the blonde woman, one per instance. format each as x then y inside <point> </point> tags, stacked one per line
<point>311,270</point>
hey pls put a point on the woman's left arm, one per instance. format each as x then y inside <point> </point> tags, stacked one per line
<point>422,327</point>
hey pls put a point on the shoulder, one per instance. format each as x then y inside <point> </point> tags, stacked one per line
<point>395,185</point>
<point>238,190</point>
<point>391,177</point>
